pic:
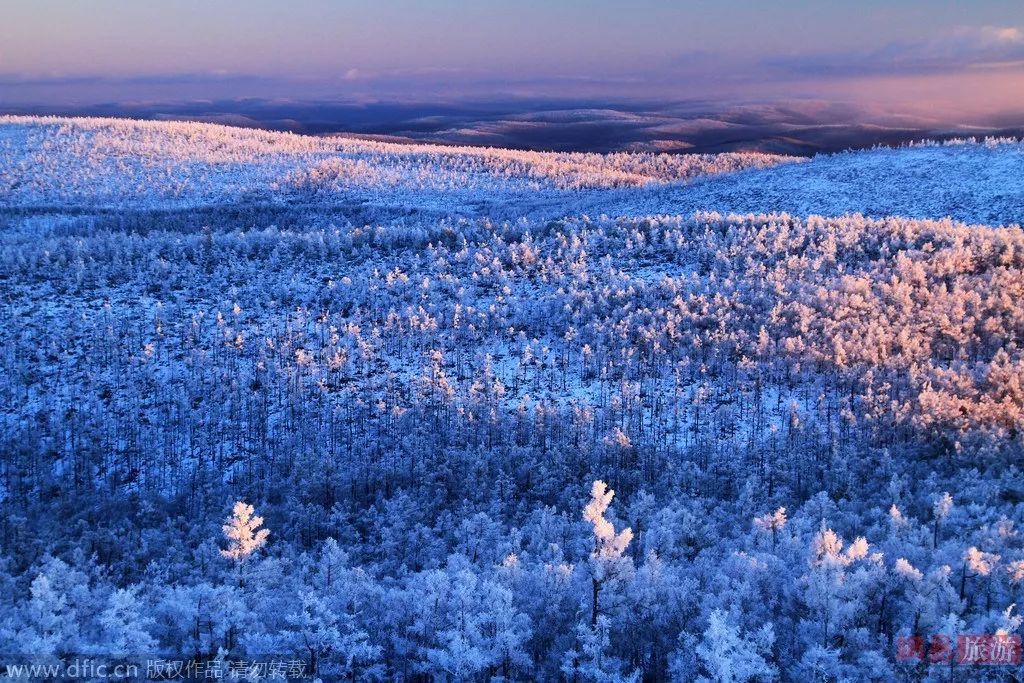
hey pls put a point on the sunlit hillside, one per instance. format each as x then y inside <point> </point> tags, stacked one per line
<point>113,163</point>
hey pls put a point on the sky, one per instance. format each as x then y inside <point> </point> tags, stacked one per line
<point>916,54</point>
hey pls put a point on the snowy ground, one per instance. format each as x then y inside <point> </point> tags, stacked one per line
<point>87,164</point>
<point>974,183</point>
<point>96,163</point>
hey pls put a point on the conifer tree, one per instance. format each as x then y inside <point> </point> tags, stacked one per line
<point>244,535</point>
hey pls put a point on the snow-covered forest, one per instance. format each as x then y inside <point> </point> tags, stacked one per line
<point>423,413</point>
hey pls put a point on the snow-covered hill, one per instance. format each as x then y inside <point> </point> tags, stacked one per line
<point>83,164</point>
<point>108,163</point>
<point>976,182</point>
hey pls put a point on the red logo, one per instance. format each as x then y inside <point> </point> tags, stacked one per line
<point>939,649</point>
<point>985,649</point>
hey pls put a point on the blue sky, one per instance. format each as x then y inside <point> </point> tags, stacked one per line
<point>119,49</point>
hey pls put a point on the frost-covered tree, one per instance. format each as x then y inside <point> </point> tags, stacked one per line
<point>331,642</point>
<point>50,624</point>
<point>591,660</point>
<point>244,535</point>
<point>941,508</point>
<point>772,523</point>
<point>726,655</point>
<point>125,625</point>
<point>608,560</point>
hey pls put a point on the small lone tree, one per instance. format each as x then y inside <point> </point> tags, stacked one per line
<point>244,535</point>
<point>772,523</point>
<point>941,507</point>
<point>607,561</point>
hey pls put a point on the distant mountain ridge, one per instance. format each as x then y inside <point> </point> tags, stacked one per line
<point>105,164</point>
<point>115,163</point>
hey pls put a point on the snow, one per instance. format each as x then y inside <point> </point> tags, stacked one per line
<point>85,163</point>
<point>413,366</point>
<point>101,163</point>
<point>974,183</point>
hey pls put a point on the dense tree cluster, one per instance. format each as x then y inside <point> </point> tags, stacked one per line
<point>435,399</point>
<point>706,447</point>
